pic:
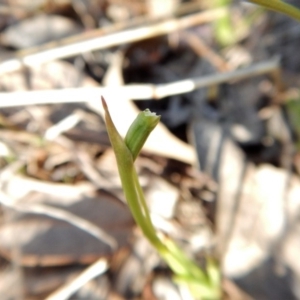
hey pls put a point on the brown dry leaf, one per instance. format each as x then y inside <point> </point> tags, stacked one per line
<point>45,241</point>
<point>256,217</point>
<point>264,220</point>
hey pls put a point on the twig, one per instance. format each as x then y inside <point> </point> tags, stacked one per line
<point>64,292</point>
<point>203,50</point>
<point>66,48</point>
<point>133,91</point>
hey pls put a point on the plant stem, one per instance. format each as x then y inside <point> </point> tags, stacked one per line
<point>184,268</point>
<point>280,6</point>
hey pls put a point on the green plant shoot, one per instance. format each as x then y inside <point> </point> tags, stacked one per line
<point>279,6</point>
<point>203,284</point>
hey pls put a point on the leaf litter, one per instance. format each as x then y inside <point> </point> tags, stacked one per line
<point>219,173</point>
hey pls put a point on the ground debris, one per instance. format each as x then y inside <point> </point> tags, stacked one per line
<point>220,172</point>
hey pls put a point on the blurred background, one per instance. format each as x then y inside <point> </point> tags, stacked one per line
<point>220,172</point>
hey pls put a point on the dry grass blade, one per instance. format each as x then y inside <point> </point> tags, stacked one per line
<point>67,49</point>
<point>191,84</point>
<point>64,292</point>
<point>134,91</point>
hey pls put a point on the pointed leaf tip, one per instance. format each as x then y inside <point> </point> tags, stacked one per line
<point>104,104</point>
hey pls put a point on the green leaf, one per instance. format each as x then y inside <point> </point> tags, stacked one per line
<point>139,131</point>
<point>126,152</point>
<point>280,6</point>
